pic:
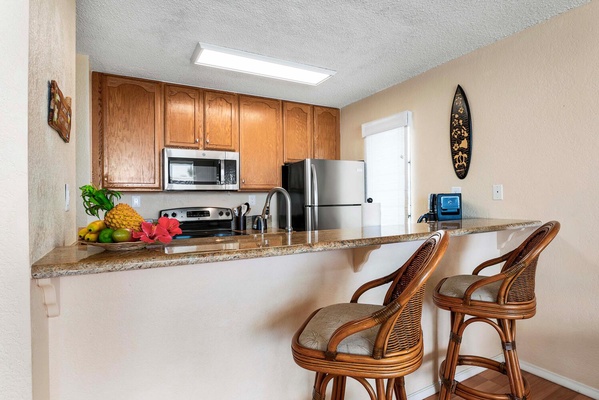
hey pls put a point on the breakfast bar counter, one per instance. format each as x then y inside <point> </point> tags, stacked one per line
<point>81,259</point>
<point>219,324</point>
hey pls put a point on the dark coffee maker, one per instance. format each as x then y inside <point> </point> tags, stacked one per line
<point>431,215</point>
<point>443,207</point>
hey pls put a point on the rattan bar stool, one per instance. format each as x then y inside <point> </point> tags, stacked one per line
<point>367,341</point>
<point>499,301</point>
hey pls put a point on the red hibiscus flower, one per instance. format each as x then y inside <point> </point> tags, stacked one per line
<point>162,232</point>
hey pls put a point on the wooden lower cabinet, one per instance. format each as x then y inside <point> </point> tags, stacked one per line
<point>127,132</point>
<point>183,117</point>
<point>326,133</point>
<point>297,131</point>
<point>261,141</point>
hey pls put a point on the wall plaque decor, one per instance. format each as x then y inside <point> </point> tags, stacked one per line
<point>59,112</point>
<point>460,134</point>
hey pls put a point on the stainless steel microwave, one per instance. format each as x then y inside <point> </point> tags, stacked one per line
<point>200,169</point>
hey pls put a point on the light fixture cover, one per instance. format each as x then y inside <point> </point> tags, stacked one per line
<point>240,61</point>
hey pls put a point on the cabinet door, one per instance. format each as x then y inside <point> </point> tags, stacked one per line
<point>326,133</point>
<point>261,138</point>
<point>221,123</point>
<point>183,117</point>
<point>297,131</point>
<point>129,131</point>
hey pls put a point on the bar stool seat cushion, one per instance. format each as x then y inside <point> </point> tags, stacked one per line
<point>455,286</point>
<point>318,331</point>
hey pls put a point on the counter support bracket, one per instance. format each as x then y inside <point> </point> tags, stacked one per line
<point>50,297</point>
<point>361,255</point>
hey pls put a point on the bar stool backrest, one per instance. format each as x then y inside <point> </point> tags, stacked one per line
<point>411,278</point>
<point>522,263</point>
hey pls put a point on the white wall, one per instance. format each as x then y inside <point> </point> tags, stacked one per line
<point>223,330</point>
<point>533,98</point>
<point>15,334</point>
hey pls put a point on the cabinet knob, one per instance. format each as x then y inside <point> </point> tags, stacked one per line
<point>207,141</point>
<point>197,140</point>
<point>243,181</point>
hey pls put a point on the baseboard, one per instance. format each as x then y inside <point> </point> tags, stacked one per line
<point>435,387</point>
<point>533,369</point>
<point>560,380</point>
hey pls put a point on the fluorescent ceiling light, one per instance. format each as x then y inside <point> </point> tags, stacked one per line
<point>240,61</point>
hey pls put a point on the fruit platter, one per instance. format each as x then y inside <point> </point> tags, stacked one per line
<point>117,246</point>
<point>122,228</point>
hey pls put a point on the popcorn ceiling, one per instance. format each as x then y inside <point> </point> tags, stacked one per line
<point>371,44</point>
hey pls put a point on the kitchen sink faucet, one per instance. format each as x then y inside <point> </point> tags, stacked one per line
<point>266,209</point>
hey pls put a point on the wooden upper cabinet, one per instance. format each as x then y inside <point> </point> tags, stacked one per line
<point>326,133</point>
<point>261,141</point>
<point>297,131</point>
<point>183,117</point>
<point>221,123</point>
<point>127,131</point>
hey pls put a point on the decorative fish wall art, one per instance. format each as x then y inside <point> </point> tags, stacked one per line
<point>460,134</point>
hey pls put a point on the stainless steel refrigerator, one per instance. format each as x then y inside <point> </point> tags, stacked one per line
<point>325,194</point>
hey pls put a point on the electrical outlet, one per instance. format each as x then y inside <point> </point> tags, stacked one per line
<point>67,197</point>
<point>135,201</point>
<point>456,189</point>
<point>497,192</point>
<point>252,199</point>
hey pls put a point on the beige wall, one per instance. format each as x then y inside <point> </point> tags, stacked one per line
<point>51,160</point>
<point>15,335</point>
<point>51,166</point>
<point>534,99</point>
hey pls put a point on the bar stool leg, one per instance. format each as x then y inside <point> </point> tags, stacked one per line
<point>512,365</point>
<point>399,388</point>
<point>318,393</point>
<point>338,388</point>
<point>448,367</point>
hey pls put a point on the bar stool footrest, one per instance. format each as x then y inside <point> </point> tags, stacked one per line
<point>469,393</point>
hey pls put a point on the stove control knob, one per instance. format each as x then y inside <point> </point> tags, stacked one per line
<point>174,214</point>
<point>228,214</point>
<point>220,213</point>
<point>165,215</point>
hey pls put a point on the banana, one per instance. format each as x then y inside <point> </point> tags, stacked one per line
<point>82,232</point>
<point>91,237</point>
<point>96,226</point>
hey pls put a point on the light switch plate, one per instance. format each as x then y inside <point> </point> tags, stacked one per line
<point>456,189</point>
<point>497,192</point>
<point>252,199</point>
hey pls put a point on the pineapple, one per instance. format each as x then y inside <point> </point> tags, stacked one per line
<point>116,217</point>
<point>123,216</point>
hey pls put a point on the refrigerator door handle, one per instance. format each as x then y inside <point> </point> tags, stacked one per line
<point>314,196</point>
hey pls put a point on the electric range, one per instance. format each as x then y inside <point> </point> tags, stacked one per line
<point>197,222</point>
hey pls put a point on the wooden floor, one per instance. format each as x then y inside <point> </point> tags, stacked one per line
<point>540,389</point>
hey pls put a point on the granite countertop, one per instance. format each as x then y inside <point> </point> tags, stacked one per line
<point>80,259</point>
